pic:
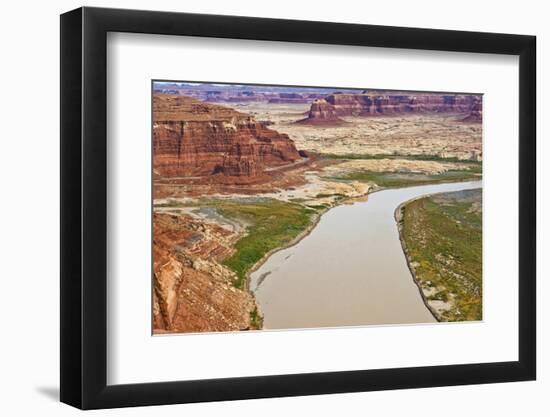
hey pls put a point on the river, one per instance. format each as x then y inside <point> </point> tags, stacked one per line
<point>349,271</point>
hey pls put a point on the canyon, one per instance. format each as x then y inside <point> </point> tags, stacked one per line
<point>241,171</point>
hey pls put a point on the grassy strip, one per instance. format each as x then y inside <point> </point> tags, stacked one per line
<point>256,320</point>
<point>443,237</point>
<point>272,224</point>
<point>404,179</point>
<point>396,156</point>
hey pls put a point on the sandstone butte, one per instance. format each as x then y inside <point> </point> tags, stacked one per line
<point>192,138</point>
<point>328,111</point>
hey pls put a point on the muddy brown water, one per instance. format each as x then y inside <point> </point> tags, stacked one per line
<point>349,271</point>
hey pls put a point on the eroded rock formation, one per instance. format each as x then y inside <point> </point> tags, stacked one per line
<point>196,139</point>
<point>322,113</point>
<point>366,104</point>
<point>193,292</point>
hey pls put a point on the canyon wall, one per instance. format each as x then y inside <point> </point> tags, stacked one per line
<point>332,107</point>
<point>192,291</point>
<point>195,139</point>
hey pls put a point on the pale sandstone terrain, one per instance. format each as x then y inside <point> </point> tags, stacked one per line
<point>444,135</point>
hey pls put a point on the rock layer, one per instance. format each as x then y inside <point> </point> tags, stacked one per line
<point>196,139</point>
<point>334,106</point>
<point>243,94</point>
<point>322,113</point>
<point>193,292</point>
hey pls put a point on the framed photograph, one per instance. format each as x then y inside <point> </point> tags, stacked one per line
<point>258,208</point>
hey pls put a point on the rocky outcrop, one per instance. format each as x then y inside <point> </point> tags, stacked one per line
<point>366,104</point>
<point>196,139</point>
<point>193,292</point>
<point>321,113</point>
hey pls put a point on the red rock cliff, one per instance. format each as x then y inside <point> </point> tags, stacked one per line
<point>195,139</point>
<point>193,292</point>
<point>322,113</point>
<point>366,104</point>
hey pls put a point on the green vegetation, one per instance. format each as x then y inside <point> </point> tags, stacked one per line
<point>318,206</point>
<point>443,236</point>
<point>271,224</point>
<point>404,179</point>
<point>396,156</point>
<point>336,196</point>
<point>171,204</point>
<point>256,320</point>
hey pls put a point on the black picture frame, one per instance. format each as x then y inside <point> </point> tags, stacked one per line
<point>84,207</point>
